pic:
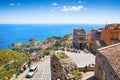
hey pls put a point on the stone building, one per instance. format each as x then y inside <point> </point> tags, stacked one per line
<point>111,34</point>
<point>102,37</point>
<point>79,38</point>
<point>61,67</point>
<point>108,63</point>
<point>94,39</point>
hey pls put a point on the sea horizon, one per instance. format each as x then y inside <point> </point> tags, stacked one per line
<point>14,33</point>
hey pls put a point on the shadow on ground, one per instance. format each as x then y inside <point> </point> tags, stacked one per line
<point>92,78</point>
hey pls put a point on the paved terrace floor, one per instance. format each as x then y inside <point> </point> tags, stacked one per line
<point>43,73</point>
<point>82,59</point>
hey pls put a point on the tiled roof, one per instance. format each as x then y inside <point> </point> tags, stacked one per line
<point>112,54</point>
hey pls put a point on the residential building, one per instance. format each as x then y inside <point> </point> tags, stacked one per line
<point>102,37</point>
<point>94,39</point>
<point>108,63</point>
<point>111,34</point>
<point>79,38</point>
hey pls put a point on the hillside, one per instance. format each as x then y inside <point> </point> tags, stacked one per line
<point>10,62</point>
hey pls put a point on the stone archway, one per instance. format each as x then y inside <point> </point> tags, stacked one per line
<point>82,46</point>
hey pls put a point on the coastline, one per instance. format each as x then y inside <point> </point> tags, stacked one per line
<point>14,33</point>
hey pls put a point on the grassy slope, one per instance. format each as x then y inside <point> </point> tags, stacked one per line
<point>7,57</point>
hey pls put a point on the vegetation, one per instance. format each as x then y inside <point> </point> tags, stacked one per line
<point>60,41</point>
<point>53,38</point>
<point>26,47</point>
<point>61,55</point>
<point>33,41</point>
<point>53,47</point>
<point>77,75</point>
<point>10,62</point>
<point>64,38</point>
<point>30,46</point>
<point>63,41</point>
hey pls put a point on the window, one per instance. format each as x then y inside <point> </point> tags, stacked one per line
<point>114,37</point>
<point>31,70</point>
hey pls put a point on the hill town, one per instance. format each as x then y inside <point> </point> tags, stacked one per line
<point>76,56</point>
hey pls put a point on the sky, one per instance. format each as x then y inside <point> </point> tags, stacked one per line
<point>59,11</point>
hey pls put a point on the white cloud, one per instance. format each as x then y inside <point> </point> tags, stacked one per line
<point>79,1</point>
<point>11,4</point>
<point>55,4</point>
<point>72,8</point>
<point>55,7</point>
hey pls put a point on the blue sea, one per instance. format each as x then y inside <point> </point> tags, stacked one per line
<point>13,33</point>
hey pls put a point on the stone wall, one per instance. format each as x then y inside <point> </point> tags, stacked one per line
<point>104,69</point>
<point>88,69</point>
<point>56,67</point>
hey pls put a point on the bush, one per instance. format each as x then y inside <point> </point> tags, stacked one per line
<point>61,55</point>
<point>77,74</point>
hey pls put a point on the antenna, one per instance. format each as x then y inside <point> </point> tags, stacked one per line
<point>105,22</point>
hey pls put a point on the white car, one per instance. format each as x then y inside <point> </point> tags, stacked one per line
<point>31,72</point>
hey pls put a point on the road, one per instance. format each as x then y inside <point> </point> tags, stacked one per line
<point>44,70</point>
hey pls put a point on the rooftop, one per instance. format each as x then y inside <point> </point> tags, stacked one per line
<point>112,27</point>
<point>115,24</point>
<point>79,31</point>
<point>112,54</point>
<point>97,29</point>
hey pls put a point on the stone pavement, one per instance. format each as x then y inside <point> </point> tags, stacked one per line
<point>88,75</point>
<point>43,73</point>
<point>82,59</point>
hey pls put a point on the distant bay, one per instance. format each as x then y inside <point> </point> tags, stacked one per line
<point>13,33</point>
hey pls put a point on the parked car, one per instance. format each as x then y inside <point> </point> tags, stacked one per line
<point>31,72</point>
<point>21,70</point>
